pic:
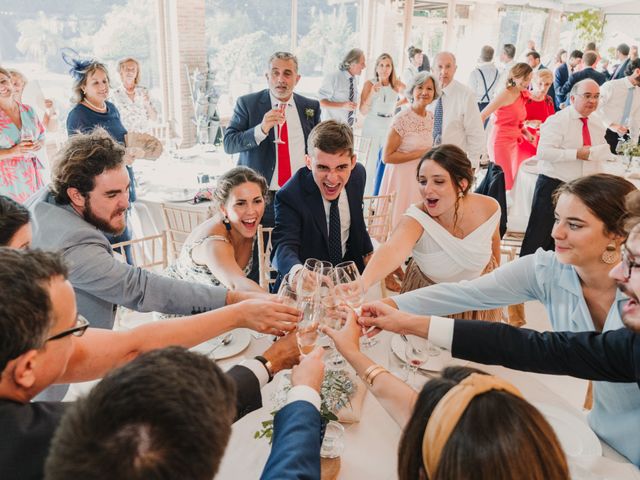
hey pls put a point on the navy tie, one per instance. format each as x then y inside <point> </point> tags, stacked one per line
<point>352,97</point>
<point>335,239</point>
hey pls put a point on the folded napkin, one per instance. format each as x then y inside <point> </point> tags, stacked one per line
<point>351,412</point>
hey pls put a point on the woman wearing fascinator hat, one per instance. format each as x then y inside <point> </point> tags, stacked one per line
<point>90,92</point>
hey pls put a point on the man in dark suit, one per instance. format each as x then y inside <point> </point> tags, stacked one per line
<point>178,423</point>
<point>589,60</point>
<point>533,59</point>
<point>44,341</point>
<point>259,117</point>
<point>622,55</point>
<point>319,211</point>
<point>562,75</point>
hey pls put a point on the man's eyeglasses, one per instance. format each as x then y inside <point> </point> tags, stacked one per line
<point>77,330</point>
<point>589,96</point>
<point>628,262</point>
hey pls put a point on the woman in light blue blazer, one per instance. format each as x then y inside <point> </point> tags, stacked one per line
<point>573,285</point>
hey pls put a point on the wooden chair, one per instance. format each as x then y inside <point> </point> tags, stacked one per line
<point>149,253</point>
<point>513,240</point>
<point>264,257</point>
<point>377,216</point>
<point>361,148</point>
<point>179,222</point>
<point>162,132</point>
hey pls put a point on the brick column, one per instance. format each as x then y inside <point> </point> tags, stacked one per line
<point>182,45</point>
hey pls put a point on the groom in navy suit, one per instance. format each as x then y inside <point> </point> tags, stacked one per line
<point>319,211</point>
<point>252,128</point>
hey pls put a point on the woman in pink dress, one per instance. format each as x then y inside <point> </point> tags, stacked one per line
<point>539,107</point>
<point>509,113</point>
<point>410,137</point>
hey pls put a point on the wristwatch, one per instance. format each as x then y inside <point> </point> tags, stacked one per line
<point>267,365</point>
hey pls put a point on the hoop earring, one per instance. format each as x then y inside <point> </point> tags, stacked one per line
<point>610,255</point>
<point>227,223</point>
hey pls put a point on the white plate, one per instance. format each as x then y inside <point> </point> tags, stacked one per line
<point>240,341</point>
<point>434,364</point>
<point>575,436</point>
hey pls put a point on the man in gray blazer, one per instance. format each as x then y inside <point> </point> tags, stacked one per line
<point>87,198</point>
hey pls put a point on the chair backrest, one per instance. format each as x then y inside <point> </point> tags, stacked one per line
<point>264,256</point>
<point>377,216</point>
<point>361,147</point>
<point>149,253</point>
<point>162,131</point>
<point>179,222</point>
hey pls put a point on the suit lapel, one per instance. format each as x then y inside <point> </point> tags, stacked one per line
<point>316,205</point>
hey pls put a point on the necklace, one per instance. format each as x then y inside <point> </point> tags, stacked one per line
<point>99,109</point>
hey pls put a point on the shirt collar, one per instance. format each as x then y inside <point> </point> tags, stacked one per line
<point>628,82</point>
<point>274,100</point>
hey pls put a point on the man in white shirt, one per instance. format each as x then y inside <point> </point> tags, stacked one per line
<point>257,119</point>
<point>571,145</point>
<point>456,115</point>
<point>620,106</point>
<point>507,61</point>
<point>484,78</point>
<point>339,96</point>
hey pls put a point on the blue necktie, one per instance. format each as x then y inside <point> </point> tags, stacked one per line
<point>352,97</point>
<point>335,240</point>
<point>437,123</point>
<point>627,107</point>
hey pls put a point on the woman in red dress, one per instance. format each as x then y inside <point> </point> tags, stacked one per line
<point>539,107</point>
<point>508,121</point>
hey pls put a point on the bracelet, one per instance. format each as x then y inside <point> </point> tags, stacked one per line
<point>267,365</point>
<point>375,374</point>
<point>372,372</point>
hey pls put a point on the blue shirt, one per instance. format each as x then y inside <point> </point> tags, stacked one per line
<point>615,416</point>
<point>82,119</point>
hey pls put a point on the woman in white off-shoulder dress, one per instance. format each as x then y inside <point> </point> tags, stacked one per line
<point>451,233</point>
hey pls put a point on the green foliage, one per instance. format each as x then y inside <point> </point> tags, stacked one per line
<point>589,24</point>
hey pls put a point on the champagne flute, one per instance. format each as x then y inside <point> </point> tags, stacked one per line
<point>27,135</point>
<point>307,332</point>
<point>308,278</point>
<point>280,107</point>
<point>350,288</point>
<point>417,353</point>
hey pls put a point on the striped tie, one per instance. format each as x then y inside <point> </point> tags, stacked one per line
<point>437,123</point>
<point>352,97</point>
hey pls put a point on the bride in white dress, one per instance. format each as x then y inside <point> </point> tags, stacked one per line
<point>378,103</point>
<point>452,235</point>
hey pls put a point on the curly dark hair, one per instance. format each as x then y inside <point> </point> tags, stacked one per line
<point>13,216</point>
<point>82,159</point>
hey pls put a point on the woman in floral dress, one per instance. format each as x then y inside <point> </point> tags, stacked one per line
<point>21,136</point>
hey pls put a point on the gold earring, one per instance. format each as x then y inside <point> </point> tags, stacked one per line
<point>610,255</point>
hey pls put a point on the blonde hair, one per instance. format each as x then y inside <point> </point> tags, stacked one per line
<point>130,59</point>
<point>543,75</point>
<point>519,70</point>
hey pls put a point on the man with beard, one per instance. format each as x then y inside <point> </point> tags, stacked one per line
<point>88,198</point>
<point>257,119</point>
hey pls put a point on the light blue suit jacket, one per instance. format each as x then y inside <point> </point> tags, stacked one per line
<point>615,416</point>
<point>100,281</point>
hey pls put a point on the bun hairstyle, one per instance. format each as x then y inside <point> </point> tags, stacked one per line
<point>519,70</point>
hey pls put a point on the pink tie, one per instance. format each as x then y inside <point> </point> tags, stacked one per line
<point>586,136</point>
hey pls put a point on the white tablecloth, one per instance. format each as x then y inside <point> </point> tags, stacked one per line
<point>371,445</point>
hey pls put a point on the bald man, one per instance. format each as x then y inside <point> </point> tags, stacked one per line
<point>456,115</point>
<point>571,145</point>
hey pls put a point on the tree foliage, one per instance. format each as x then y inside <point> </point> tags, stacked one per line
<point>589,25</point>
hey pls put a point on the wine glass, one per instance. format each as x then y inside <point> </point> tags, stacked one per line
<point>416,352</point>
<point>350,288</point>
<point>287,292</point>
<point>307,332</point>
<point>27,135</point>
<point>308,278</point>
<point>279,107</point>
<point>334,315</point>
